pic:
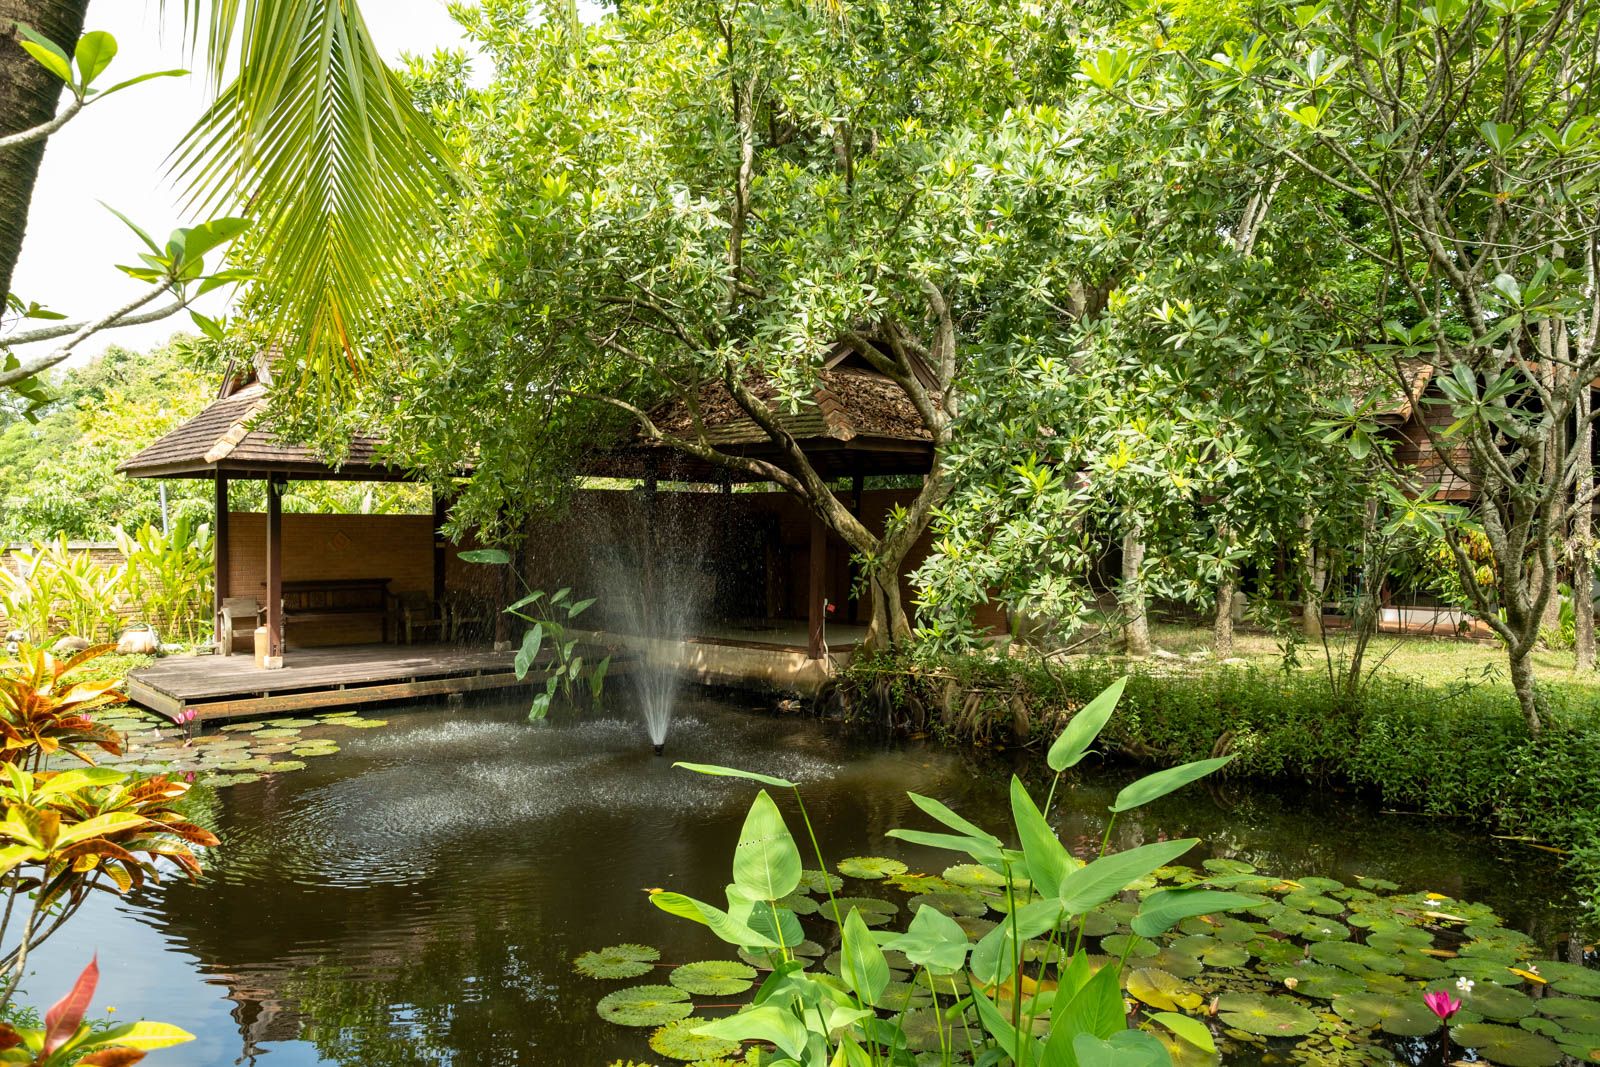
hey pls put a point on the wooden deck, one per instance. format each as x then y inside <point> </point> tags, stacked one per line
<point>230,687</point>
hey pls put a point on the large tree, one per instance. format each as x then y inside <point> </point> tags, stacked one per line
<point>695,194</point>
<point>1462,136</point>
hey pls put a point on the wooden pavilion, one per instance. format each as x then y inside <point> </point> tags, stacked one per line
<point>763,547</point>
<point>339,592</point>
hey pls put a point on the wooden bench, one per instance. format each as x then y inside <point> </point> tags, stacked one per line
<point>338,600</point>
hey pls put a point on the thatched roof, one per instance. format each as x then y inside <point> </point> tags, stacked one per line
<point>223,438</point>
<point>857,421</point>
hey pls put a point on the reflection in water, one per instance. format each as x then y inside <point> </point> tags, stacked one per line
<point>417,899</point>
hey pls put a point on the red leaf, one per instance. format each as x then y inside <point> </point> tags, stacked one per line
<point>112,1057</point>
<point>9,1038</point>
<point>63,1020</point>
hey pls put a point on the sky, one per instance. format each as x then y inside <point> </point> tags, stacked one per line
<point>116,151</point>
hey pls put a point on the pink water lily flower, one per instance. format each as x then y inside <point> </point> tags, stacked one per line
<point>1441,1004</point>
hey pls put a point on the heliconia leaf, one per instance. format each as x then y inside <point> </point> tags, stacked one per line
<point>66,1015</point>
<point>143,1035</point>
<point>1074,742</point>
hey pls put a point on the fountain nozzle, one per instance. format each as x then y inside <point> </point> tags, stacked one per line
<point>661,750</point>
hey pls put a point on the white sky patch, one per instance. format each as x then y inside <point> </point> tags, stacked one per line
<point>117,152</point>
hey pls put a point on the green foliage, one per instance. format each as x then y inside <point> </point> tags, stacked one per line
<point>1447,750</point>
<point>169,576</point>
<point>860,1017</point>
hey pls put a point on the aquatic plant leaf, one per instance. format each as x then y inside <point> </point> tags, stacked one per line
<point>1399,940</point>
<point>1191,1030</point>
<point>1162,991</point>
<point>933,940</point>
<point>1227,866</point>
<point>678,1040</point>
<point>820,882</point>
<point>243,727</point>
<point>1403,1015</point>
<point>1491,1001</point>
<point>1126,1048</point>
<point>1313,902</point>
<point>766,860</point>
<point>358,724</point>
<point>1128,945</point>
<point>485,555</point>
<point>733,772</point>
<point>1099,881</point>
<point>950,903</point>
<point>861,962</point>
<point>1572,978</point>
<point>645,1005</point>
<point>1073,742</point>
<point>1583,1015</point>
<point>994,958</point>
<point>1163,910</point>
<point>1212,951</point>
<point>1047,858</point>
<point>713,978</point>
<point>975,842</point>
<point>1157,785</point>
<point>720,922</point>
<point>1264,1014</point>
<point>1353,957</point>
<point>974,876</point>
<point>1508,1046</point>
<point>765,1023</point>
<point>618,961</point>
<point>870,868</point>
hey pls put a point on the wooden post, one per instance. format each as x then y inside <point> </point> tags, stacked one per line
<point>817,567</point>
<point>275,487</point>
<point>441,548</point>
<point>220,555</point>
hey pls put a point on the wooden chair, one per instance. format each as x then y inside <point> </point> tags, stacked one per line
<point>468,618</point>
<point>420,614</point>
<point>239,613</point>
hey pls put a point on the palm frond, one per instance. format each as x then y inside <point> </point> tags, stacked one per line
<point>318,140</point>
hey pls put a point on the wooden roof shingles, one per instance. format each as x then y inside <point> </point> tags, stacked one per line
<point>222,437</point>
<point>858,421</point>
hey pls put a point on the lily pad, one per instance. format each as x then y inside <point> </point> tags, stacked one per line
<point>871,868</point>
<point>1399,939</point>
<point>820,882</point>
<point>1509,1046</point>
<point>618,961</point>
<point>359,724</point>
<point>1131,946</point>
<point>713,978</point>
<point>977,876</point>
<point>1572,978</point>
<point>1353,957</point>
<point>1269,1016</point>
<point>275,732</point>
<point>645,1005</point>
<point>1319,981</point>
<point>957,903</point>
<point>1581,1015</point>
<point>284,766</point>
<point>1400,1015</point>
<point>678,1041</point>
<point>1162,990</point>
<point>1211,951</point>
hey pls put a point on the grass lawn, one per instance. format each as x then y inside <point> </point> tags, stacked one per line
<point>1435,660</point>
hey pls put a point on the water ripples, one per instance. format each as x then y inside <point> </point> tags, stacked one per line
<point>407,800</point>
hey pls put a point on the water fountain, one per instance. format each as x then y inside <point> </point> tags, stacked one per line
<point>652,585</point>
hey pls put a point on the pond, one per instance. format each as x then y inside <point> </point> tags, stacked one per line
<point>418,898</point>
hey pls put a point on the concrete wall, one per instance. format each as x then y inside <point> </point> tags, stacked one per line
<point>396,547</point>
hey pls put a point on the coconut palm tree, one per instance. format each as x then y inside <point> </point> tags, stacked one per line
<point>314,138</point>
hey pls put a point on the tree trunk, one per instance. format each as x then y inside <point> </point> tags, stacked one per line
<point>1313,576</point>
<point>888,625</point>
<point>1583,546</point>
<point>28,98</point>
<point>1222,624</point>
<point>1527,692</point>
<point>1136,623</point>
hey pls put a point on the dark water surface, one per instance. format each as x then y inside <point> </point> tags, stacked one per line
<point>417,898</point>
